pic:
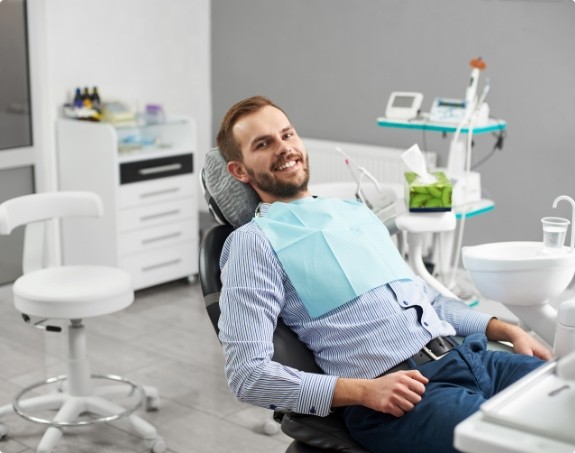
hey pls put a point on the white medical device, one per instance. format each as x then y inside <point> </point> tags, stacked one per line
<point>403,105</point>
<point>533,415</point>
<point>448,110</point>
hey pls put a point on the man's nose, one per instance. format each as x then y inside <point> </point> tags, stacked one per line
<point>283,147</point>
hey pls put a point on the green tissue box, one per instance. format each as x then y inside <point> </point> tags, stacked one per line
<point>434,197</point>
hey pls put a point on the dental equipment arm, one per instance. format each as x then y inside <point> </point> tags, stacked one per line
<point>572,202</point>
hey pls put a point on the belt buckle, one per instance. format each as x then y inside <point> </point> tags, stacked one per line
<point>431,354</point>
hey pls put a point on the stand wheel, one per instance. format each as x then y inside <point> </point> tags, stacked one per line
<point>271,427</point>
<point>157,445</point>
<point>152,403</point>
<point>3,431</point>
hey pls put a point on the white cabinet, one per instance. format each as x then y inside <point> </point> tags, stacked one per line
<point>145,176</point>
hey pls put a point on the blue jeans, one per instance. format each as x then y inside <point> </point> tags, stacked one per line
<point>458,384</point>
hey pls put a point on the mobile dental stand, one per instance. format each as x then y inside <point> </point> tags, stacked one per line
<point>470,117</point>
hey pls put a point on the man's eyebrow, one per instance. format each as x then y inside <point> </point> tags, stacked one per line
<point>267,136</point>
<point>260,138</point>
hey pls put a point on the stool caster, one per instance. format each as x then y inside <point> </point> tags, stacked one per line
<point>152,403</point>
<point>152,400</point>
<point>157,445</point>
<point>271,427</point>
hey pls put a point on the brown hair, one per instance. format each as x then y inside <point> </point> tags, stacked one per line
<point>226,141</point>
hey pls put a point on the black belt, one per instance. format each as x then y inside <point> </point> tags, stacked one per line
<point>433,350</point>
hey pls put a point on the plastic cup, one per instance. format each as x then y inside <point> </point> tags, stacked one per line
<point>554,232</point>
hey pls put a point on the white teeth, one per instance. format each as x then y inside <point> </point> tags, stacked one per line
<point>287,165</point>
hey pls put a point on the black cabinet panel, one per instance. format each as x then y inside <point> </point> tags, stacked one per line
<point>164,167</point>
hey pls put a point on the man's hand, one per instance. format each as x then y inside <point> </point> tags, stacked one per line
<point>394,393</point>
<point>397,393</point>
<point>523,343</point>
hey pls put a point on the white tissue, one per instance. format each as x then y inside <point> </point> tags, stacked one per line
<point>415,161</point>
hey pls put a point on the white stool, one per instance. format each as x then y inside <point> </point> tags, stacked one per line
<point>71,293</point>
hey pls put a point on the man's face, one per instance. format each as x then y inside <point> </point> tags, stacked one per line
<point>274,157</point>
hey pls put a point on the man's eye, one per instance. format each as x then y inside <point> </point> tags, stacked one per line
<point>288,135</point>
<point>261,145</point>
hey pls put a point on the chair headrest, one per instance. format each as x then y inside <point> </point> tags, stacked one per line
<point>229,200</point>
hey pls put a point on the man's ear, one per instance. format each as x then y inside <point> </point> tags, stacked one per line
<point>238,171</point>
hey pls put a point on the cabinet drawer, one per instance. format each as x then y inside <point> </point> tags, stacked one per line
<point>158,190</point>
<point>160,236</point>
<point>145,170</point>
<point>161,265</point>
<point>156,214</point>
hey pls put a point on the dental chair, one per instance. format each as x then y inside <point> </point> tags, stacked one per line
<point>71,293</point>
<point>232,204</point>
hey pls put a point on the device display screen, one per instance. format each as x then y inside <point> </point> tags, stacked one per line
<point>457,104</point>
<point>403,101</point>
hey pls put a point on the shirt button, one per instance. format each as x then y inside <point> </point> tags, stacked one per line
<point>312,410</point>
<point>404,302</point>
<point>272,407</point>
<point>425,323</point>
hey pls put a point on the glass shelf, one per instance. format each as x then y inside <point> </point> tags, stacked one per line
<point>423,124</point>
<point>142,125</point>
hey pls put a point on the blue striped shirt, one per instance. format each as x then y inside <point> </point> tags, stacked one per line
<point>360,339</point>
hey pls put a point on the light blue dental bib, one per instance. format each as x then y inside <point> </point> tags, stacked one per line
<point>332,250</point>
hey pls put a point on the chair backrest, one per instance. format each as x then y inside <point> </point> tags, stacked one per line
<point>288,349</point>
<point>229,200</point>
<point>233,204</point>
<point>36,210</point>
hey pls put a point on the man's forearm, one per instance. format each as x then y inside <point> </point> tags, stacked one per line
<point>498,330</point>
<point>350,392</point>
<point>523,343</point>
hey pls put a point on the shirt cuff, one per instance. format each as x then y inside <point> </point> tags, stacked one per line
<point>316,394</point>
<point>474,322</point>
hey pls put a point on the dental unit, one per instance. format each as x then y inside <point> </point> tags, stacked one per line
<point>537,413</point>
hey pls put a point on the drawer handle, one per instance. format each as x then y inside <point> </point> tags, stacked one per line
<point>161,238</point>
<point>159,265</point>
<point>159,169</point>
<point>159,192</point>
<point>159,214</point>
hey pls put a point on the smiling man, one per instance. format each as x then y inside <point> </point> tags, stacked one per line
<point>330,271</point>
<point>275,162</point>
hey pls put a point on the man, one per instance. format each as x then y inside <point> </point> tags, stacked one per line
<point>368,335</point>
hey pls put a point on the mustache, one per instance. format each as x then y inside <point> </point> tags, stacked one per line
<point>293,155</point>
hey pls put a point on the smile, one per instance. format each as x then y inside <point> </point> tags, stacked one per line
<point>286,165</point>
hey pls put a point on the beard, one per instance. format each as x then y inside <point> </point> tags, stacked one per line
<point>280,189</point>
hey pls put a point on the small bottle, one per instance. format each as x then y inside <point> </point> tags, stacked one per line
<point>154,114</point>
<point>86,101</point>
<point>95,98</point>
<point>78,98</point>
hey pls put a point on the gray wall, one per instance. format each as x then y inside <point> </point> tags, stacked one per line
<point>333,63</point>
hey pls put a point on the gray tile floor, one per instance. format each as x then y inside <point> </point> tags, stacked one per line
<point>165,340</point>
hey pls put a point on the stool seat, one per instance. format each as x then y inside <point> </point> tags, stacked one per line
<point>73,292</point>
